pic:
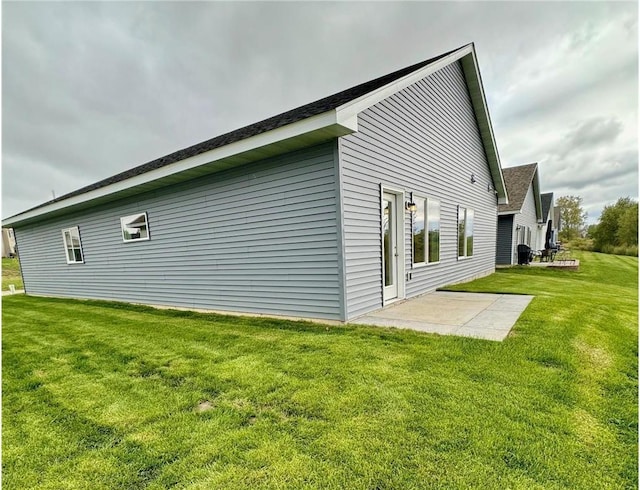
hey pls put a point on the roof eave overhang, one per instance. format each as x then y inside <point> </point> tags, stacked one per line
<point>301,134</point>
<point>473,78</point>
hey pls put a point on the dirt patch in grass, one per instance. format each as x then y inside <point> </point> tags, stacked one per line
<point>204,406</point>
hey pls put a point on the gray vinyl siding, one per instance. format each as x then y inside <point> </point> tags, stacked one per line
<point>526,217</point>
<point>504,244</point>
<point>260,239</point>
<point>425,140</point>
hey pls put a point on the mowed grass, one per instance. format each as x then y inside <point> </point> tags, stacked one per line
<point>106,395</point>
<point>11,274</point>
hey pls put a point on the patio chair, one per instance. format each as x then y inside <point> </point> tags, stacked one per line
<point>548,255</point>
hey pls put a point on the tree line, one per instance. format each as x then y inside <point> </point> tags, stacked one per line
<point>616,231</point>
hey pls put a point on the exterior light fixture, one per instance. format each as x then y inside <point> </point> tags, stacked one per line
<point>410,206</point>
<point>473,179</point>
<point>489,187</point>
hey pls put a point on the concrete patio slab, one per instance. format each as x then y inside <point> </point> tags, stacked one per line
<point>478,315</point>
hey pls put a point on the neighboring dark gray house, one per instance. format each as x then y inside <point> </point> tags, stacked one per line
<point>520,220</point>
<point>384,191</point>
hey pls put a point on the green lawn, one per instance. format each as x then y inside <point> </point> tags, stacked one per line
<point>105,395</point>
<point>11,274</point>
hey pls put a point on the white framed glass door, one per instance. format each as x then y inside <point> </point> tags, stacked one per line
<point>390,265</point>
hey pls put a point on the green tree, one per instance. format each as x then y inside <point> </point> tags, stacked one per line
<point>591,231</point>
<point>572,217</point>
<point>618,225</point>
<point>627,233</point>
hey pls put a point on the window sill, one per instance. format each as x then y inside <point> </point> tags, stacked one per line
<point>136,240</point>
<point>424,265</point>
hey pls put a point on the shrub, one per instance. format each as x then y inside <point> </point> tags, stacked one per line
<point>631,250</point>
<point>580,244</point>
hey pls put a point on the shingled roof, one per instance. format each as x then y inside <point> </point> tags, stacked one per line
<point>547,202</point>
<point>313,108</point>
<point>340,107</point>
<point>517,180</point>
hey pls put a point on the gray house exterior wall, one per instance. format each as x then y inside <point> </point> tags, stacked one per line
<point>299,234</point>
<point>262,238</point>
<point>526,217</point>
<point>425,140</point>
<point>504,244</point>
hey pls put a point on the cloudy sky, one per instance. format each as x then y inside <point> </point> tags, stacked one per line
<point>91,89</point>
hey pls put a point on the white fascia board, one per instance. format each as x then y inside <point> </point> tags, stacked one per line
<point>304,126</point>
<point>481,110</point>
<point>352,108</point>
<point>507,213</point>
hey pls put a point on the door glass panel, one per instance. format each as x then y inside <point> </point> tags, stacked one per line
<point>388,241</point>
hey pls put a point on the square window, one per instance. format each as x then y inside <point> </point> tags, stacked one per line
<point>134,227</point>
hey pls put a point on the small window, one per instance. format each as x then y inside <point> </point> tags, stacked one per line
<point>134,227</point>
<point>465,232</point>
<point>72,245</point>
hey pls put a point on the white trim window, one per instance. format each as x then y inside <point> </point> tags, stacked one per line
<point>426,231</point>
<point>73,245</point>
<point>135,227</point>
<point>465,232</point>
